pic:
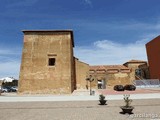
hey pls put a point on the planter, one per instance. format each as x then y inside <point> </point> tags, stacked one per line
<point>127,109</point>
<point>102,102</point>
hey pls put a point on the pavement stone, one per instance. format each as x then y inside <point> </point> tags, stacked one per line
<point>77,107</point>
<point>28,98</point>
<point>146,109</point>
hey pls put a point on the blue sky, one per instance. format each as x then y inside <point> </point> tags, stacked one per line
<point>105,31</point>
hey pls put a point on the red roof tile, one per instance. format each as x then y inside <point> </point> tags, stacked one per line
<point>107,67</point>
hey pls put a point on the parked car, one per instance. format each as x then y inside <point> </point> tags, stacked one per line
<point>14,89</point>
<point>119,88</point>
<point>130,87</point>
<point>9,89</point>
<point>6,89</point>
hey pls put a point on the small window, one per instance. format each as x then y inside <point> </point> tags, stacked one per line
<point>51,61</point>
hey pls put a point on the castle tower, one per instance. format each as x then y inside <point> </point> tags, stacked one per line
<point>47,64</point>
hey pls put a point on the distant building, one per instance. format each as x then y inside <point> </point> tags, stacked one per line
<point>153,53</point>
<point>110,75</point>
<point>139,69</point>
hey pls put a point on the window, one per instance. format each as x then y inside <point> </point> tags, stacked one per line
<point>138,72</point>
<point>51,61</point>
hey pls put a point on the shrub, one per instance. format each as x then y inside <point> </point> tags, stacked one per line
<point>130,87</point>
<point>119,88</point>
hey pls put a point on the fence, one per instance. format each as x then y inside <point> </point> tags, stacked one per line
<point>147,83</point>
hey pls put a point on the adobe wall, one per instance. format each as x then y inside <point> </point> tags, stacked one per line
<point>99,76</point>
<point>36,76</point>
<point>112,79</point>
<point>81,72</point>
<point>117,79</point>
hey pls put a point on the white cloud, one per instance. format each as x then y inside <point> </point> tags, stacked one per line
<point>109,52</point>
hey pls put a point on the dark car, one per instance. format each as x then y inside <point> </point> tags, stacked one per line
<point>9,89</point>
<point>6,89</point>
<point>119,88</point>
<point>130,87</point>
<point>3,89</point>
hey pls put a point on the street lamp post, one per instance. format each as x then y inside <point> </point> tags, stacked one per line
<point>90,79</point>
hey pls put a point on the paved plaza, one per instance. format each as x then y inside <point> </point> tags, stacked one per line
<point>146,109</point>
<point>80,106</point>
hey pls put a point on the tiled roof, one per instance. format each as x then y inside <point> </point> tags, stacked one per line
<point>107,67</point>
<point>115,67</point>
<point>97,67</point>
<point>135,61</point>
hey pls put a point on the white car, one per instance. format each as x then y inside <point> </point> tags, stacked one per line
<point>14,88</point>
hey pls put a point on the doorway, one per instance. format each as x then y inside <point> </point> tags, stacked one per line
<point>101,84</point>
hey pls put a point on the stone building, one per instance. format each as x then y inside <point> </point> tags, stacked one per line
<point>136,69</point>
<point>47,62</point>
<point>110,75</point>
<point>81,71</point>
<point>48,66</point>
